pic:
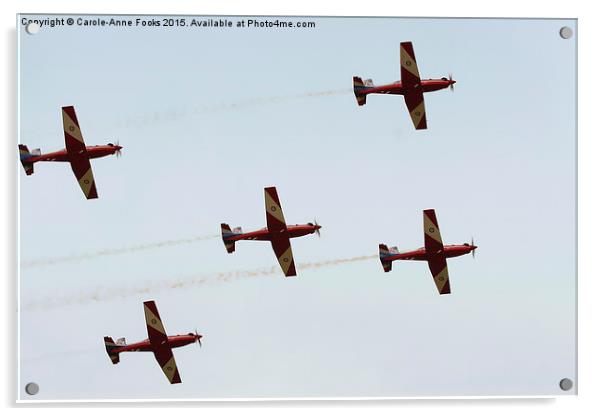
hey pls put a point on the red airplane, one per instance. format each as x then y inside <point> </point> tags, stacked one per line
<point>434,252</point>
<point>410,86</point>
<point>277,232</point>
<point>158,342</point>
<point>76,153</point>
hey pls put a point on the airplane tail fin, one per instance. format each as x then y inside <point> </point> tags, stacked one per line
<point>358,87</point>
<point>383,253</point>
<point>24,155</point>
<point>227,232</point>
<point>110,346</point>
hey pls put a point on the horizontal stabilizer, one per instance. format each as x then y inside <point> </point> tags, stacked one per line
<point>383,250</point>
<point>111,346</point>
<point>383,254</point>
<point>227,233</point>
<point>358,88</point>
<point>24,155</point>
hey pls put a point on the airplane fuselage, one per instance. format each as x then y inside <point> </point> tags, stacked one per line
<point>293,231</point>
<point>397,88</point>
<point>62,155</point>
<point>421,254</point>
<point>174,341</point>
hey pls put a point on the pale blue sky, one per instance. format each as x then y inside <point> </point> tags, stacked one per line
<point>497,162</point>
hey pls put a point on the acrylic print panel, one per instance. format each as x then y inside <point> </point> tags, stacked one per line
<point>221,126</point>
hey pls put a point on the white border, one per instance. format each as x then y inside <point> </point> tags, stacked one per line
<point>588,208</point>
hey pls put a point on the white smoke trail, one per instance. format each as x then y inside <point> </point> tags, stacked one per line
<point>174,114</point>
<point>114,251</point>
<point>113,293</point>
<point>33,360</point>
<point>177,114</point>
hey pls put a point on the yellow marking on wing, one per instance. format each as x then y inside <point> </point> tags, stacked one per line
<point>441,279</point>
<point>408,62</point>
<point>417,114</point>
<point>273,208</point>
<point>170,369</point>
<point>86,182</point>
<point>153,320</point>
<point>431,229</point>
<point>71,127</point>
<point>286,259</point>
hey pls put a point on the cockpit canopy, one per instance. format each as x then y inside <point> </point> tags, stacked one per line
<point>110,144</point>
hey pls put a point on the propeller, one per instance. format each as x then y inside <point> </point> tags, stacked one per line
<point>451,80</point>
<point>472,244</point>
<point>118,151</point>
<point>317,229</point>
<point>198,339</point>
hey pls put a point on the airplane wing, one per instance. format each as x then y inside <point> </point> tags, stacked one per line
<point>273,211</point>
<point>284,254</point>
<point>438,267</point>
<point>432,236</point>
<point>410,79</point>
<point>433,245</point>
<point>415,103</point>
<point>158,340</point>
<point>409,70</point>
<point>78,156</point>
<point>277,228</point>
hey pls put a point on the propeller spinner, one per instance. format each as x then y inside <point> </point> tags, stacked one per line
<point>198,338</point>
<point>118,151</point>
